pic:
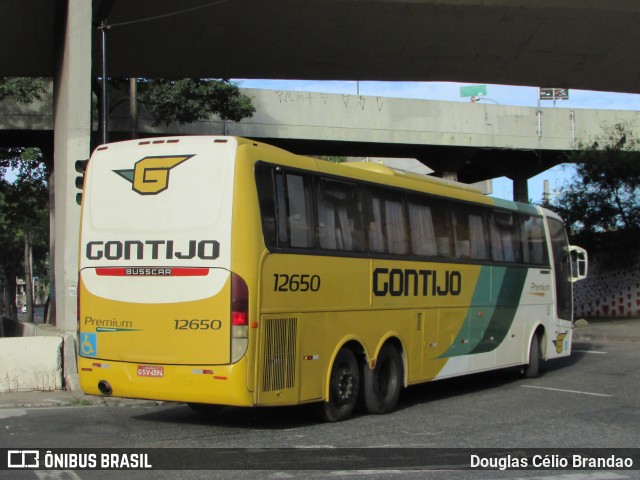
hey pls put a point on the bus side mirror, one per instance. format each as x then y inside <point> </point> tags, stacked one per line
<point>81,167</point>
<point>579,263</point>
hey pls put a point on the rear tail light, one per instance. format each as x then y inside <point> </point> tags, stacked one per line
<point>239,301</point>
<point>239,317</point>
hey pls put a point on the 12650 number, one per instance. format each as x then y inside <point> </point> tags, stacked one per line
<point>196,324</point>
<point>296,283</point>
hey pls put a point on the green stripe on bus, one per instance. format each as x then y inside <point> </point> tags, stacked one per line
<point>485,327</point>
<point>520,207</point>
<point>502,317</point>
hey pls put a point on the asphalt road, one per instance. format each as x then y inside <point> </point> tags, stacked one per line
<point>590,400</point>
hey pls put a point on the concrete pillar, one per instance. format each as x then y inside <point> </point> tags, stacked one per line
<point>521,190</point>
<point>72,130</point>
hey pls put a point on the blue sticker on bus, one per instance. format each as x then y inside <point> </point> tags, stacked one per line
<point>88,344</point>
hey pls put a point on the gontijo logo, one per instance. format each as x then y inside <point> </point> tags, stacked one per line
<point>150,175</point>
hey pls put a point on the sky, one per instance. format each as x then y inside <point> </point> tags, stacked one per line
<point>450,91</point>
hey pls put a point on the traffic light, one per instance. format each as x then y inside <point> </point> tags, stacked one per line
<point>81,166</point>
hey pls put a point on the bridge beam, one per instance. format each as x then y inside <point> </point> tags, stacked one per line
<point>521,190</point>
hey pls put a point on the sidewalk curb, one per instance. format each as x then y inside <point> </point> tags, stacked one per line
<point>587,337</point>
<point>64,398</point>
<point>621,330</point>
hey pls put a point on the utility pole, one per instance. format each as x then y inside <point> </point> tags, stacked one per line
<point>100,21</point>
<point>133,106</point>
<point>105,84</point>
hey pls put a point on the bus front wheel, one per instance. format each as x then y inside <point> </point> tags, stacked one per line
<point>382,384</point>
<point>344,386</point>
<point>532,369</point>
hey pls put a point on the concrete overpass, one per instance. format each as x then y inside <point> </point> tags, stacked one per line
<point>588,44</point>
<point>470,141</point>
<point>560,43</point>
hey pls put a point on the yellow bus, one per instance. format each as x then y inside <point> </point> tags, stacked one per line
<point>222,271</point>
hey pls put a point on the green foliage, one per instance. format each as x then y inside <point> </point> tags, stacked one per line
<point>602,197</point>
<point>190,100</point>
<point>22,89</point>
<point>23,163</point>
<point>333,158</point>
<point>24,197</point>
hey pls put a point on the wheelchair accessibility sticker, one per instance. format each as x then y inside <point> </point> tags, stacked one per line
<point>89,344</point>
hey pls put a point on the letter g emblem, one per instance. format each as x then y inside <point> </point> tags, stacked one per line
<point>150,175</point>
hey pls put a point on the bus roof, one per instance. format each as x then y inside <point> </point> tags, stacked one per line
<point>385,170</point>
<point>365,171</point>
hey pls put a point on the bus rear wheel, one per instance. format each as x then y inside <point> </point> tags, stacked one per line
<point>382,384</point>
<point>344,386</point>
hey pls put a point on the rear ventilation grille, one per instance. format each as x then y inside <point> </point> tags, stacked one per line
<point>279,354</point>
<point>419,321</point>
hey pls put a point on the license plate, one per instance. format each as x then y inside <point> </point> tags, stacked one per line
<point>150,371</point>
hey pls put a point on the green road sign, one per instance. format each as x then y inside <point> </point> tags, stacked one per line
<point>473,90</point>
<point>554,93</point>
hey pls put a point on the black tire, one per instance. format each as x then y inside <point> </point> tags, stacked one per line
<point>532,369</point>
<point>205,408</point>
<point>382,385</point>
<point>344,386</point>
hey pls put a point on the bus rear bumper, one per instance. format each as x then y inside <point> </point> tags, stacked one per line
<point>216,384</point>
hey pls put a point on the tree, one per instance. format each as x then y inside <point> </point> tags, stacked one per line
<point>182,101</point>
<point>24,231</point>
<point>22,89</point>
<point>24,240</point>
<point>190,100</point>
<point>602,197</point>
<point>333,158</point>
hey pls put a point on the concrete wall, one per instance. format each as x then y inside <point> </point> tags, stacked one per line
<point>31,363</point>
<point>37,357</point>
<point>609,292</point>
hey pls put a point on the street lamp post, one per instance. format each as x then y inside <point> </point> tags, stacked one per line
<point>100,20</point>
<point>105,84</point>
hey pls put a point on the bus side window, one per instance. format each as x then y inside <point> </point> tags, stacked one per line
<point>461,234</point>
<point>267,201</point>
<point>300,212</point>
<point>423,237</point>
<point>505,237</point>
<point>470,232</point>
<point>340,223</point>
<point>442,228</point>
<point>533,240</point>
<point>375,230</point>
<point>281,209</point>
<point>396,225</point>
<point>386,222</point>
<point>479,235</point>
